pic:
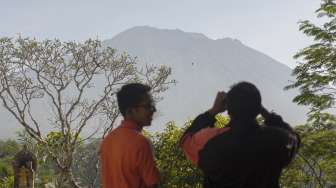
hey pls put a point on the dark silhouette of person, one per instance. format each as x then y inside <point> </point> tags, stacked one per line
<point>243,154</point>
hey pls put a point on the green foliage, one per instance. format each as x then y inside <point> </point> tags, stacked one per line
<point>8,148</point>
<point>46,167</point>
<point>85,166</point>
<point>7,182</point>
<point>175,169</point>
<point>7,151</point>
<point>315,164</point>
<point>221,121</point>
<point>316,74</point>
<point>86,155</point>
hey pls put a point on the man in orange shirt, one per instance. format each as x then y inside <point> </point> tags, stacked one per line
<point>126,156</point>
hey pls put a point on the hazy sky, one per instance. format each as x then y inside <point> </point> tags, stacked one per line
<point>269,26</point>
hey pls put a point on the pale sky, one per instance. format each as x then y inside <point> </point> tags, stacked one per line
<point>269,26</point>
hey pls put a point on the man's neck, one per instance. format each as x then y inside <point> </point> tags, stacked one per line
<point>241,124</point>
<point>134,124</point>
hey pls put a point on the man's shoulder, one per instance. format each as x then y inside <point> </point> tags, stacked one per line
<point>123,134</point>
<point>273,130</point>
<point>274,135</point>
<point>126,139</point>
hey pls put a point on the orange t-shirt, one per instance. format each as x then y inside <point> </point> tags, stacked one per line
<point>127,159</point>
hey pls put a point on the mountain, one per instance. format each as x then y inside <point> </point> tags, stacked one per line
<point>203,66</point>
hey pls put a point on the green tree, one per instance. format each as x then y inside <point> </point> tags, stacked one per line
<point>7,182</point>
<point>8,149</point>
<point>86,166</point>
<point>315,164</point>
<point>46,167</point>
<point>175,169</point>
<point>85,160</point>
<point>316,73</point>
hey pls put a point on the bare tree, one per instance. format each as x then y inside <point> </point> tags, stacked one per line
<point>75,82</point>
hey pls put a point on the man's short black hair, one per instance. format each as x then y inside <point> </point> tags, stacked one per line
<point>131,95</point>
<point>244,101</point>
